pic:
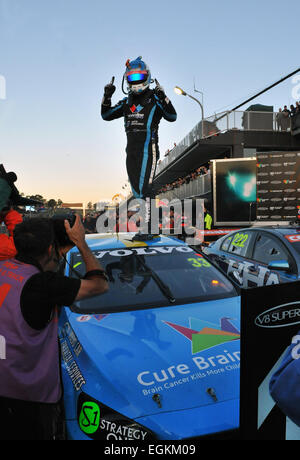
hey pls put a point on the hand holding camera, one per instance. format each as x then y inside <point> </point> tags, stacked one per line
<point>75,232</point>
<point>9,194</point>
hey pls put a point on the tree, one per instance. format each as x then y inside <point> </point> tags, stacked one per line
<point>52,203</point>
<point>37,198</point>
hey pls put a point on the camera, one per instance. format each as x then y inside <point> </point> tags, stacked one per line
<point>60,233</point>
<point>9,194</point>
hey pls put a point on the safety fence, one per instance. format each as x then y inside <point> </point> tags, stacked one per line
<point>197,187</point>
<point>227,121</point>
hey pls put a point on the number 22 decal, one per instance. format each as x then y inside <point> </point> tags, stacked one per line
<point>240,240</point>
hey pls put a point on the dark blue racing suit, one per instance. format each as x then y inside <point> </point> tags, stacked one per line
<point>142,114</point>
<point>285,382</point>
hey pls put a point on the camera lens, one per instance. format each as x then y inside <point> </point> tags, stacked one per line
<point>60,233</point>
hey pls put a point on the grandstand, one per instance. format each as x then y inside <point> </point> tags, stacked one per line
<point>232,134</point>
<point>233,141</point>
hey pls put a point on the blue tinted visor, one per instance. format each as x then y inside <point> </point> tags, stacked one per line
<point>137,77</point>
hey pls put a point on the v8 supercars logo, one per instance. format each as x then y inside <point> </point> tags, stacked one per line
<point>284,315</point>
<point>204,335</point>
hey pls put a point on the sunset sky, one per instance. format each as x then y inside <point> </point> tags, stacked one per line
<point>56,56</point>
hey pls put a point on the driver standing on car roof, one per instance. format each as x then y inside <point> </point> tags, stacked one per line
<point>142,110</point>
<point>31,291</point>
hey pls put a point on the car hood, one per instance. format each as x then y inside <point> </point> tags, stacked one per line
<point>142,363</point>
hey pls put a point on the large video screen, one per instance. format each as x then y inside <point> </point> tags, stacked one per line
<point>234,191</point>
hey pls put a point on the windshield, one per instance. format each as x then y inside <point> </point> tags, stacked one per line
<point>153,277</point>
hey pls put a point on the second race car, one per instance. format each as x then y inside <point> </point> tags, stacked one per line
<point>258,256</point>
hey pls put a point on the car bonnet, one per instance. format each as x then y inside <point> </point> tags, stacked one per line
<point>158,360</point>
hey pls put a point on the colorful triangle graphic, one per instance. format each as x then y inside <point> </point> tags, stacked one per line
<point>202,342</point>
<point>206,336</point>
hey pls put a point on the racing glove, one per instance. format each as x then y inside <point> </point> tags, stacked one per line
<point>168,111</point>
<point>109,90</point>
<point>159,91</point>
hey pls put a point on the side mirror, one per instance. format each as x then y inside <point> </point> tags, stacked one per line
<point>279,265</point>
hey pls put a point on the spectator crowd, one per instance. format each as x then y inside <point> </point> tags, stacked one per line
<point>284,118</point>
<point>170,150</point>
<point>202,170</point>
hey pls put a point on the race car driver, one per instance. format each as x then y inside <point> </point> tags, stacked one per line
<point>142,111</point>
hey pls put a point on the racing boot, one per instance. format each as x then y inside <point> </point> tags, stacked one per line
<point>145,231</point>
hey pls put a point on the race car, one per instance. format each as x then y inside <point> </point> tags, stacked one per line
<point>258,256</point>
<point>157,357</point>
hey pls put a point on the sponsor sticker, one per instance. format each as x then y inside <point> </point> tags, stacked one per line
<point>293,238</point>
<point>71,366</point>
<point>89,419</point>
<point>100,422</point>
<point>281,316</point>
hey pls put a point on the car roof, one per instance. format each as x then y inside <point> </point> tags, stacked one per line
<point>100,241</point>
<point>281,231</point>
<point>285,230</point>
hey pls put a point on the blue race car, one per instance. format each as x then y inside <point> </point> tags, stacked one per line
<point>157,357</point>
<point>258,256</point>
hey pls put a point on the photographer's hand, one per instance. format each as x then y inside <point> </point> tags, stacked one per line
<point>95,284</point>
<point>77,232</point>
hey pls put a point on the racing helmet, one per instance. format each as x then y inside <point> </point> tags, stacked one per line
<point>138,76</point>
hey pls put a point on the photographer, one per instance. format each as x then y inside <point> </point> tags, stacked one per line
<point>31,292</point>
<point>11,218</point>
<point>9,197</point>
